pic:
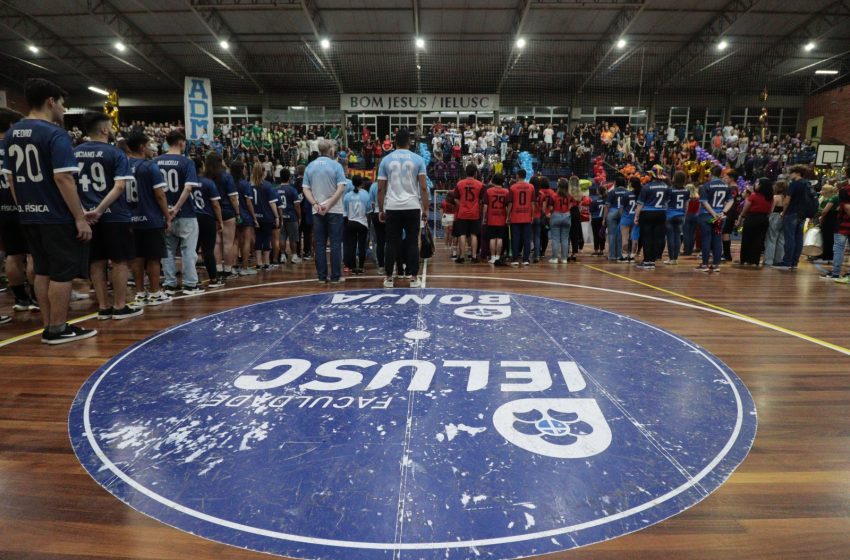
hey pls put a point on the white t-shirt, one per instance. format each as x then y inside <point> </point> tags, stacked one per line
<point>401,170</point>
<point>671,134</point>
<point>547,135</point>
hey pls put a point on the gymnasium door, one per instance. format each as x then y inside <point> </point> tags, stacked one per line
<point>383,126</point>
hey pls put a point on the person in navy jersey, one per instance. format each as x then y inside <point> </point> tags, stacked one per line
<point>151,219</point>
<point>597,222</point>
<point>39,165</point>
<point>679,197</point>
<point>244,225</point>
<point>627,220</point>
<point>305,228</point>
<point>793,217</point>
<point>265,208</point>
<point>103,173</point>
<point>403,206</point>
<point>289,208</point>
<point>356,204</point>
<point>208,211</point>
<point>651,216</point>
<point>324,185</point>
<point>611,217</point>
<point>715,201</point>
<point>18,266</point>
<point>180,178</point>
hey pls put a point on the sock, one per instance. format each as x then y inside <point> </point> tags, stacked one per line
<point>227,269</point>
<point>56,329</point>
<point>20,292</point>
<point>727,250</point>
<point>31,289</point>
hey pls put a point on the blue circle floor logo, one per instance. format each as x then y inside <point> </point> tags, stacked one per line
<point>426,424</point>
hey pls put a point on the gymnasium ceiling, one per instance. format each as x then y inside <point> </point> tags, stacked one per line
<point>470,45</point>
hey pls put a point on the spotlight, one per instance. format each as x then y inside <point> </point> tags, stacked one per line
<point>420,43</point>
<point>98,90</point>
<point>722,45</point>
<point>326,44</point>
<point>621,44</point>
<point>809,46</point>
<point>520,43</point>
<point>33,49</point>
<point>827,72</point>
<point>224,44</point>
<point>120,46</point>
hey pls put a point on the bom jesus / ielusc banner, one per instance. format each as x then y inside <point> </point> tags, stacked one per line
<point>417,102</point>
<point>198,107</point>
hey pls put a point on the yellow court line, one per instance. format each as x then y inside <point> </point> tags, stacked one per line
<point>727,311</point>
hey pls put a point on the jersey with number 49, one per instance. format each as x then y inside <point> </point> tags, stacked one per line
<point>178,171</point>
<point>35,151</point>
<point>717,193</point>
<point>100,165</point>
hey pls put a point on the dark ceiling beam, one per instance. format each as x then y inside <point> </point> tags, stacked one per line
<point>817,84</point>
<point>311,12</point>
<point>608,42</point>
<point>703,42</point>
<point>522,10</point>
<point>815,29</point>
<point>32,31</point>
<point>137,40</point>
<point>216,25</point>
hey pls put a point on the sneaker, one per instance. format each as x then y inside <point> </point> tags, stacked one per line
<point>454,254</point>
<point>554,261</point>
<point>5,319</point>
<point>843,280</point>
<point>125,313</point>
<point>671,261</point>
<point>157,298</point>
<point>282,259</point>
<point>388,282</point>
<point>33,306</point>
<point>321,282</point>
<point>525,263</point>
<point>416,283</point>
<point>273,267</point>
<point>514,263</point>
<point>170,290</point>
<point>79,296</point>
<point>645,266</point>
<point>307,257</point>
<point>460,260</point>
<point>346,270</point>
<point>141,299</point>
<point>248,272</point>
<point>703,268</point>
<point>192,290</point>
<point>215,284</point>
<point>829,276</point>
<point>338,281</point>
<point>382,271</point>
<point>70,334</point>
<point>715,269</point>
<point>22,305</point>
<point>474,260</point>
<point>295,259</point>
<point>781,267</point>
<point>623,259</point>
<point>535,260</point>
<point>104,314</point>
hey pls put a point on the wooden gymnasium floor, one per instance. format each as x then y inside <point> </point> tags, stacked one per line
<point>785,334</point>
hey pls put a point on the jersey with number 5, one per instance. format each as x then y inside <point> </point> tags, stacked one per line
<point>716,193</point>
<point>100,165</point>
<point>178,171</point>
<point>35,151</point>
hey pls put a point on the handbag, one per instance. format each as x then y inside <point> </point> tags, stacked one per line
<point>813,242</point>
<point>426,245</point>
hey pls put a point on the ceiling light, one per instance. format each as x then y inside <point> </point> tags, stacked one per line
<point>420,43</point>
<point>621,44</point>
<point>224,44</point>
<point>33,49</point>
<point>827,72</point>
<point>520,43</point>
<point>120,46</point>
<point>232,108</point>
<point>809,46</point>
<point>98,90</point>
<point>722,45</point>
<point>418,67</point>
<point>326,44</point>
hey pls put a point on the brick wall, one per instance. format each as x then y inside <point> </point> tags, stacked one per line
<point>834,107</point>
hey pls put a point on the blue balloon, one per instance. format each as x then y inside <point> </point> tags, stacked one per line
<point>425,153</point>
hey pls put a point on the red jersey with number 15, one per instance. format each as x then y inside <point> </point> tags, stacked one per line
<point>522,199</point>
<point>468,194</point>
<point>497,206</point>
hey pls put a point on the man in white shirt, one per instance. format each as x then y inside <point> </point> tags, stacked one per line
<point>324,184</point>
<point>402,205</point>
<point>548,133</point>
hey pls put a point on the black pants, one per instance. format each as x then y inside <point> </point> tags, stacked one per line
<point>598,240</point>
<point>403,250</point>
<point>380,238</point>
<point>753,236</point>
<point>356,236</point>
<point>653,230</point>
<point>307,235</point>
<point>206,242</point>
<point>544,235</point>
<point>576,235</point>
<point>827,228</point>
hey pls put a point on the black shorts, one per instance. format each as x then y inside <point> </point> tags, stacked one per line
<point>56,251</point>
<point>12,234</point>
<point>112,241</point>
<point>497,232</point>
<point>150,243</point>
<point>462,228</point>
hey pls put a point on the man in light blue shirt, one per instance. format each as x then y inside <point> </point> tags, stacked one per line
<point>402,205</point>
<point>324,184</point>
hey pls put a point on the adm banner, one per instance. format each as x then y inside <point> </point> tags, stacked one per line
<point>417,102</point>
<point>198,107</point>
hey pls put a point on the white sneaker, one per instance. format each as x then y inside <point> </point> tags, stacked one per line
<point>157,298</point>
<point>79,296</point>
<point>141,299</point>
<point>388,283</point>
<point>554,261</point>
<point>381,271</point>
<point>295,259</point>
<point>248,272</point>
<point>416,283</point>
<point>283,259</point>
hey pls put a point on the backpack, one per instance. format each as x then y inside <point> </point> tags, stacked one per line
<point>426,247</point>
<point>809,205</point>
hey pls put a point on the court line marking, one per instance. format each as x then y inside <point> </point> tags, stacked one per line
<point>412,546</point>
<point>748,318</point>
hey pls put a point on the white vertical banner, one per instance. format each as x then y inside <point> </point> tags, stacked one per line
<point>3,102</point>
<point>198,107</point>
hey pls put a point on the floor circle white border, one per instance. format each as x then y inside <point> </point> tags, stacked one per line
<point>432,545</point>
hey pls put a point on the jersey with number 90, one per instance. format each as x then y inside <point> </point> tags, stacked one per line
<point>100,165</point>
<point>178,171</point>
<point>35,151</point>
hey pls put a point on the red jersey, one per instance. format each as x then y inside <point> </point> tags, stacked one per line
<point>584,209</point>
<point>497,205</point>
<point>522,201</point>
<point>468,194</point>
<point>448,207</point>
<point>561,204</point>
<point>543,197</point>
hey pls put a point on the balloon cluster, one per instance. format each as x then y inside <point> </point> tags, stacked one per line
<point>628,171</point>
<point>599,174</point>
<point>525,163</point>
<point>425,153</point>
